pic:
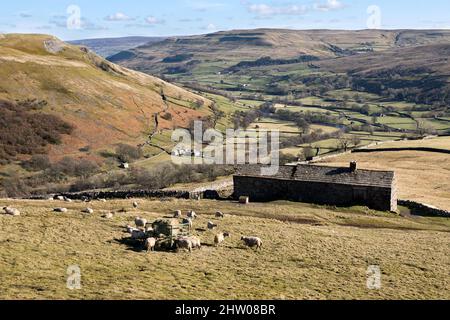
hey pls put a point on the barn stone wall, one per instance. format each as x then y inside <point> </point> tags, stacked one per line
<point>262,189</point>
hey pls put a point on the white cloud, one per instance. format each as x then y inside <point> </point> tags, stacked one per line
<point>203,5</point>
<point>211,27</point>
<point>60,21</point>
<point>119,16</point>
<point>25,15</point>
<point>153,20</point>
<point>269,10</point>
<point>330,5</point>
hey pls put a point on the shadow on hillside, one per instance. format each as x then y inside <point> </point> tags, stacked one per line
<point>133,245</point>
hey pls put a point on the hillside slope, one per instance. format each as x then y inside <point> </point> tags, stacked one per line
<point>223,49</point>
<point>105,103</point>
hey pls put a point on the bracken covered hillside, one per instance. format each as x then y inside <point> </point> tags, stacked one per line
<point>104,103</point>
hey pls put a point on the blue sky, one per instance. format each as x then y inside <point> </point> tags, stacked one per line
<point>115,18</point>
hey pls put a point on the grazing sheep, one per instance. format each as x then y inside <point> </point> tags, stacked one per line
<point>108,215</point>
<point>196,242</point>
<point>252,242</point>
<point>88,211</point>
<point>135,205</point>
<point>219,238</point>
<point>11,211</point>
<point>60,198</point>
<point>138,235</point>
<point>60,210</point>
<point>189,222</point>
<point>102,200</point>
<point>67,199</point>
<point>140,223</point>
<point>177,214</point>
<point>211,225</point>
<point>130,229</point>
<point>191,214</point>
<point>183,243</point>
<point>220,214</point>
<point>150,244</point>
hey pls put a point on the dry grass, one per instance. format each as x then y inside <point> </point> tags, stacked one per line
<point>438,143</point>
<point>309,252</point>
<point>422,176</point>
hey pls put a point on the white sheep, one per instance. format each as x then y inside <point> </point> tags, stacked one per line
<point>60,198</point>
<point>177,214</point>
<point>88,211</point>
<point>219,238</point>
<point>191,214</point>
<point>67,199</point>
<point>140,222</point>
<point>150,244</point>
<point>189,222</point>
<point>252,242</point>
<point>196,242</point>
<point>130,229</point>
<point>11,211</point>
<point>108,215</point>
<point>60,210</point>
<point>211,225</point>
<point>220,214</point>
<point>135,205</point>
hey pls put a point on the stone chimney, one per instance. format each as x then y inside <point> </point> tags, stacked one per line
<point>353,166</point>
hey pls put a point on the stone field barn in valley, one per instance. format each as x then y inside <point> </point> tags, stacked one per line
<point>321,185</point>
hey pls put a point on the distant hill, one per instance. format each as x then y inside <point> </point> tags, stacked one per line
<point>418,73</point>
<point>223,49</point>
<point>402,65</point>
<point>102,103</point>
<point>106,47</point>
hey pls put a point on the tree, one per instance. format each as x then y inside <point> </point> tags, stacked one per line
<point>37,162</point>
<point>128,153</point>
<point>344,143</point>
<point>308,153</point>
<point>374,119</point>
<point>356,141</point>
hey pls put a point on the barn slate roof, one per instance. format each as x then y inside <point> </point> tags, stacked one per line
<point>334,175</point>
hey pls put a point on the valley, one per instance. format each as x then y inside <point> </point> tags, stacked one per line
<point>368,82</point>
<point>76,122</point>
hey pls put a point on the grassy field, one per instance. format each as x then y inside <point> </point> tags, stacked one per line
<point>438,143</point>
<point>422,176</point>
<point>309,252</point>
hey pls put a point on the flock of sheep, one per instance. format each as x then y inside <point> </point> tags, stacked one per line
<point>145,233</point>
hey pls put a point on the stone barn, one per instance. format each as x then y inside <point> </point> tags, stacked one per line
<point>320,185</point>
